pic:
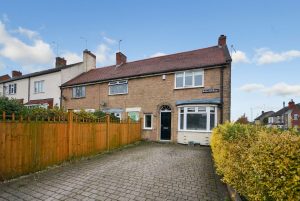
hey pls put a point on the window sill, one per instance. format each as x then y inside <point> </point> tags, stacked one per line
<point>117,94</point>
<point>189,87</point>
<point>148,129</point>
<point>195,131</point>
<point>78,97</point>
<point>38,92</point>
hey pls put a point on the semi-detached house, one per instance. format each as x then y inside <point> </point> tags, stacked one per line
<point>180,97</point>
<point>42,89</point>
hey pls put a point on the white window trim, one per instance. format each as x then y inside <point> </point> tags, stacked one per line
<point>118,82</point>
<point>75,97</point>
<point>43,89</point>
<point>207,122</point>
<point>148,128</point>
<point>193,79</point>
<point>14,87</point>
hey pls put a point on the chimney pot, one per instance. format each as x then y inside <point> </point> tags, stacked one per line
<point>120,58</point>
<point>15,73</point>
<point>222,41</point>
<point>60,62</point>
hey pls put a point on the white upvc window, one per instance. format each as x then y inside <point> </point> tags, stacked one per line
<point>189,79</point>
<point>197,118</point>
<point>79,92</point>
<point>296,117</point>
<point>12,88</point>
<point>118,87</point>
<point>39,86</point>
<point>148,121</point>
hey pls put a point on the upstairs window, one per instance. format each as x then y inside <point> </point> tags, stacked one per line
<point>12,88</point>
<point>39,86</point>
<point>118,87</point>
<point>79,92</point>
<point>189,79</point>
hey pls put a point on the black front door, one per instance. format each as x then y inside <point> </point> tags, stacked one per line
<point>165,126</point>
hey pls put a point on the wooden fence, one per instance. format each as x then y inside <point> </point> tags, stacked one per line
<point>30,145</point>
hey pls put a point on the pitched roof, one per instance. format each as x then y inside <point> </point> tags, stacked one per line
<point>48,101</point>
<point>280,112</point>
<point>206,57</point>
<point>264,115</point>
<point>51,70</point>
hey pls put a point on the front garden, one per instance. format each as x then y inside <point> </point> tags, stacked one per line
<point>260,163</point>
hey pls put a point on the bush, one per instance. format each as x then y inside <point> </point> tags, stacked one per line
<point>260,163</point>
<point>10,106</point>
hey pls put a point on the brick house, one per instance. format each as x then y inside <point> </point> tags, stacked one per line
<point>180,97</point>
<point>286,117</point>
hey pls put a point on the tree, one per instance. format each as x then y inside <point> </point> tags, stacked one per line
<point>242,120</point>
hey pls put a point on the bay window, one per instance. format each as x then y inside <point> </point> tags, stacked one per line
<point>197,118</point>
<point>189,79</point>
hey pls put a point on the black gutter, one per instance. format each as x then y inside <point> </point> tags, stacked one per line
<point>28,89</point>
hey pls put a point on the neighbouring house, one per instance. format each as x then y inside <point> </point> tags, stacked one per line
<point>42,89</point>
<point>180,97</point>
<point>262,119</point>
<point>286,117</point>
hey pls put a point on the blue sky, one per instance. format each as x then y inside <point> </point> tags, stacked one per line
<point>265,35</point>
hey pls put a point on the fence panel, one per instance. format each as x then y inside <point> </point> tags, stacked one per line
<point>28,146</point>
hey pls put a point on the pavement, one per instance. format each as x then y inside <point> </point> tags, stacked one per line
<point>145,171</point>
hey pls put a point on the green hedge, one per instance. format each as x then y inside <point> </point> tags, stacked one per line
<point>260,163</point>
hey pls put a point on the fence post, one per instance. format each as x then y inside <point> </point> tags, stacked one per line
<point>141,129</point>
<point>128,133</point>
<point>3,116</point>
<point>70,132</point>
<point>107,131</point>
<point>13,116</point>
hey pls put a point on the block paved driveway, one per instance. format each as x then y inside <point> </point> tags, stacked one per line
<point>147,171</point>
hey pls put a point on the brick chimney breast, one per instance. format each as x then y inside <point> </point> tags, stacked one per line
<point>291,104</point>
<point>120,58</point>
<point>15,73</point>
<point>60,62</point>
<point>222,41</point>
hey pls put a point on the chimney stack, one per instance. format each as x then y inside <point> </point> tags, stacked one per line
<point>60,62</point>
<point>89,60</point>
<point>15,73</point>
<point>120,58</point>
<point>283,104</point>
<point>4,77</point>
<point>222,41</point>
<point>291,104</point>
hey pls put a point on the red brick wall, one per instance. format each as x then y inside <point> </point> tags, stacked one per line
<point>150,93</point>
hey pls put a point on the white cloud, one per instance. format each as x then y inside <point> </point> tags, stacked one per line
<point>267,56</point>
<point>109,40</point>
<point>283,89</point>
<point>12,48</point>
<point>252,87</point>
<point>105,55</point>
<point>279,89</point>
<point>71,57</point>
<point>239,57</point>
<point>28,33</point>
<point>157,54</point>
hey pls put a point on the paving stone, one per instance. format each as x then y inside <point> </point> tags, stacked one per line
<point>149,171</point>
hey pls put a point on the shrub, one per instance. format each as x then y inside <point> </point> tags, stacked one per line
<point>260,163</point>
<point>10,106</point>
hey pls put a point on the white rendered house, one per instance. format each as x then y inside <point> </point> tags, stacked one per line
<point>42,88</point>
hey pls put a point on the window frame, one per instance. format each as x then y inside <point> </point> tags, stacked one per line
<point>77,97</point>
<point>42,86</point>
<point>117,82</point>
<point>148,128</point>
<point>201,71</point>
<point>207,112</point>
<point>12,88</point>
